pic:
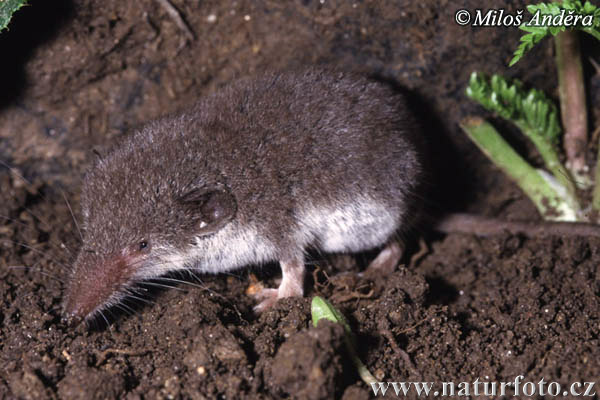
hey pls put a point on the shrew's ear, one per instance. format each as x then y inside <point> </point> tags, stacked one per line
<point>211,208</point>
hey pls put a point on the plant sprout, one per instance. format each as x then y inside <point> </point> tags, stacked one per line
<point>575,16</point>
<point>552,192</point>
<point>321,308</point>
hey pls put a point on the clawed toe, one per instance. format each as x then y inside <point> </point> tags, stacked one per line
<point>268,298</point>
<point>291,285</point>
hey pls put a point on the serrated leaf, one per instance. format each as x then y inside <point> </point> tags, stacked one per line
<point>7,9</point>
<point>589,8</point>
<point>541,116</point>
<point>528,41</point>
<point>534,114</point>
<point>537,33</point>
<point>509,100</point>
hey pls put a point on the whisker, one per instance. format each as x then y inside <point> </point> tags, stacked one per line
<point>42,253</point>
<point>36,269</point>
<point>124,304</point>
<point>236,275</point>
<point>125,308</point>
<point>200,286</point>
<point>14,171</point>
<point>136,290</point>
<point>34,215</point>
<point>72,215</point>
<point>105,319</point>
<point>60,245</point>
<point>194,276</point>
<point>29,211</point>
<point>162,286</point>
<point>164,278</point>
<point>141,299</point>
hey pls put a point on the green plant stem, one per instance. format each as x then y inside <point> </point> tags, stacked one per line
<point>321,308</point>
<point>546,195</point>
<point>550,157</point>
<point>362,370</point>
<point>571,91</point>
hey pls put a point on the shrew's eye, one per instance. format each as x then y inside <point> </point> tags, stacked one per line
<point>143,245</point>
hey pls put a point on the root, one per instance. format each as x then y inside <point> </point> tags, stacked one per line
<point>104,355</point>
<point>176,16</point>
<point>484,226</point>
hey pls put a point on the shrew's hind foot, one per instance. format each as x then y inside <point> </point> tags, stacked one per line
<point>292,283</point>
<point>387,260</point>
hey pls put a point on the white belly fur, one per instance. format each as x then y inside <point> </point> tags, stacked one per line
<point>230,248</point>
<point>358,225</point>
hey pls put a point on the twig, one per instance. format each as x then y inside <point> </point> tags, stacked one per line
<point>413,327</point>
<point>176,16</point>
<point>355,294</point>
<point>315,275</point>
<point>418,256</point>
<point>103,355</point>
<point>384,327</point>
<point>484,226</point>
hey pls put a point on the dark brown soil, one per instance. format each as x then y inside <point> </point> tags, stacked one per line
<point>76,74</point>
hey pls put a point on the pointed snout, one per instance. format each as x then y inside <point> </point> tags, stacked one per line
<point>95,281</point>
<point>80,302</point>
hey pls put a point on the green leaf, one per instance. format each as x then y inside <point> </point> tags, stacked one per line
<point>7,9</point>
<point>537,33</point>
<point>509,100</point>
<point>321,308</point>
<point>533,113</point>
